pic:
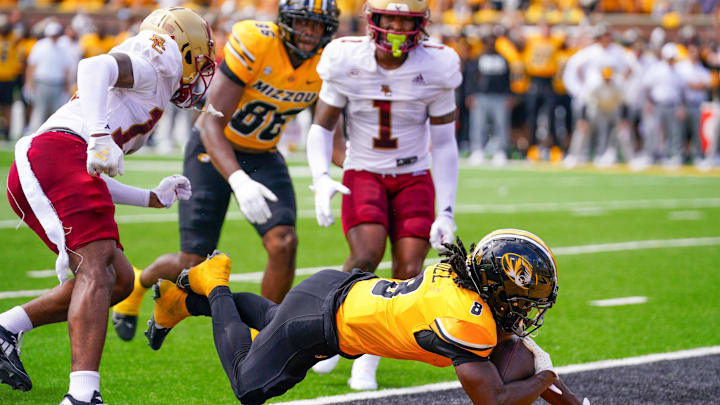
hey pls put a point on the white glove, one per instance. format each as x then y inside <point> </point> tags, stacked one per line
<point>586,401</point>
<point>325,188</point>
<point>542,358</point>
<point>442,231</point>
<point>251,197</point>
<point>104,156</point>
<point>171,189</point>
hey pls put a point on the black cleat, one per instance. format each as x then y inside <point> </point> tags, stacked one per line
<point>125,325</point>
<point>156,334</point>
<point>183,281</point>
<point>69,400</point>
<point>12,371</point>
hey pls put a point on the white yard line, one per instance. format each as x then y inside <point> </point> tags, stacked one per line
<point>574,368</point>
<point>616,302</point>
<point>579,208</point>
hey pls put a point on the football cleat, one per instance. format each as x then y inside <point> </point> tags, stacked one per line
<point>124,325</point>
<point>169,310</point>
<point>125,313</point>
<point>70,400</point>
<point>12,371</point>
<point>203,278</point>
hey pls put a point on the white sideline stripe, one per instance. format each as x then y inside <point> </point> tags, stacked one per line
<point>615,302</point>
<point>561,251</point>
<point>22,293</point>
<point>692,215</point>
<point>579,208</point>
<point>573,368</point>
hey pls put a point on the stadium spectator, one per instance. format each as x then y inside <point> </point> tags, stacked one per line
<point>10,70</point>
<point>453,313</point>
<point>487,85</point>
<point>540,55</point>
<point>664,89</point>
<point>73,50</point>
<point>697,81</point>
<point>398,92</point>
<point>59,185</point>
<point>47,75</point>
<point>268,76</point>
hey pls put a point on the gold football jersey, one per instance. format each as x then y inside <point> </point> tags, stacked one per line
<point>380,316</point>
<point>275,92</point>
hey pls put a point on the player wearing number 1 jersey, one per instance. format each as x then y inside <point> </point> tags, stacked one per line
<point>397,93</point>
<point>267,77</point>
<point>55,186</point>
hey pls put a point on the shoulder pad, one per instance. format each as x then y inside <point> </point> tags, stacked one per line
<point>247,44</point>
<point>444,64</point>
<point>336,54</point>
<point>159,50</point>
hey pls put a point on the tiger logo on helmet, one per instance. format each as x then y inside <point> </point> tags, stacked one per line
<point>194,40</point>
<point>397,42</point>
<point>515,272</point>
<point>323,11</point>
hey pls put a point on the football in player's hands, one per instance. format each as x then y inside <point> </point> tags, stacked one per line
<point>513,360</point>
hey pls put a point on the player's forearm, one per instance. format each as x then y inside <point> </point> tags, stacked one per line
<point>319,150</point>
<point>95,75</point>
<point>222,154</point>
<point>566,397</point>
<point>127,195</point>
<point>445,166</point>
<point>526,391</point>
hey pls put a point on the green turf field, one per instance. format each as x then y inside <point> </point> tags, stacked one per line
<point>566,208</point>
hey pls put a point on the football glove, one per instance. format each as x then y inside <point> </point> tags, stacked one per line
<point>104,156</point>
<point>542,358</point>
<point>251,197</point>
<point>325,188</point>
<point>442,231</point>
<point>171,189</point>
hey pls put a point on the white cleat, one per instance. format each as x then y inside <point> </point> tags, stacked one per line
<point>327,365</point>
<point>363,373</point>
<point>362,384</point>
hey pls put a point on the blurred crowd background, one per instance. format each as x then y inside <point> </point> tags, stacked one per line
<point>565,81</point>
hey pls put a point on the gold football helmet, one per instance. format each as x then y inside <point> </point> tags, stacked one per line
<point>515,272</point>
<point>194,39</point>
<point>396,42</point>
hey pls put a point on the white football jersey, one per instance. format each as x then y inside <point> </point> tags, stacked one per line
<point>132,113</point>
<point>386,111</point>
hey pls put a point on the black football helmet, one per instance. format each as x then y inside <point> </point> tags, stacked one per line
<point>324,11</point>
<point>515,272</point>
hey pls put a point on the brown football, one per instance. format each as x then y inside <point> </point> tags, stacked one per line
<point>513,360</point>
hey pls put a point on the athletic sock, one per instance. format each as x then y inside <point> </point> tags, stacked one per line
<point>15,320</point>
<point>365,367</point>
<point>83,385</point>
<point>197,305</point>
<point>131,304</point>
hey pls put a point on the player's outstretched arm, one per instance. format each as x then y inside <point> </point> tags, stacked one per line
<point>319,155</point>
<point>224,95</point>
<point>445,177</point>
<point>483,385</point>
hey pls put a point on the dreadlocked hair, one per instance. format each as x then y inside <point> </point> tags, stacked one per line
<point>456,256</point>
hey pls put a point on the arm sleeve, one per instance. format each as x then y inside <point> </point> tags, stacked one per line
<point>124,194</point>
<point>445,166</point>
<point>95,76</point>
<point>319,150</point>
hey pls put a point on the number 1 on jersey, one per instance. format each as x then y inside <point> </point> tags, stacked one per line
<point>385,140</point>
